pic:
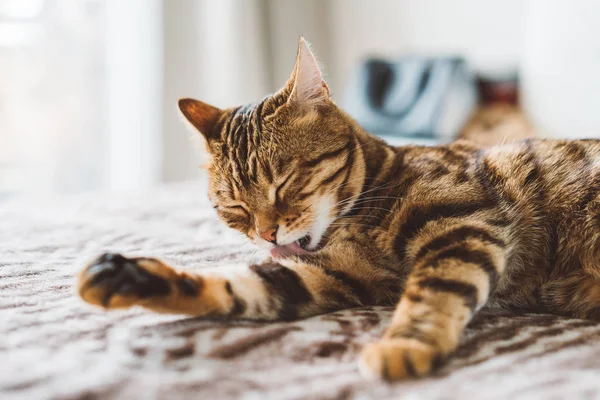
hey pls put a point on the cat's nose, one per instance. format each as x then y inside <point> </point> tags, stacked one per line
<point>269,234</point>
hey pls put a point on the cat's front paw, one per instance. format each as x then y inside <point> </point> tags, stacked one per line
<point>113,281</point>
<point>400,358</point>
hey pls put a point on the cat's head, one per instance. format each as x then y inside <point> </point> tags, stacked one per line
<point>282,170</point>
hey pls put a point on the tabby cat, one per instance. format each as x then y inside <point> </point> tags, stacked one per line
<point>351,221</point>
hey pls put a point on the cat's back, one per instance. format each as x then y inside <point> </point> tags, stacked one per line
<point>547,190</point>
<point>559,175</point>
<point>553,174</point>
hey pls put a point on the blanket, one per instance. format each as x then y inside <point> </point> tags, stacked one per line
<point>54,346</point>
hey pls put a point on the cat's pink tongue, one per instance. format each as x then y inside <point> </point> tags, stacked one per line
<point>288,250</point>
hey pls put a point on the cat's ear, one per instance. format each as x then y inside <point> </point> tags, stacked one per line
<point>202,116</point>
<point>306,85</point>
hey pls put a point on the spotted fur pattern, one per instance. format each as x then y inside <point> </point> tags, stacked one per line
<point>441,231</point>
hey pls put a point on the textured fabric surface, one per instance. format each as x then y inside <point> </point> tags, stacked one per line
<point>54,346</point>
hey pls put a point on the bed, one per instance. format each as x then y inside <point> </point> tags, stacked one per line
<point>53,346</point>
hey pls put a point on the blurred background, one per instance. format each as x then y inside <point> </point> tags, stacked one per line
<point>88,88</point>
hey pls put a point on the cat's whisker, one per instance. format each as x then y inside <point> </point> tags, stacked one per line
<point>356,224</point>
<point>369,199</point>
<point>383,186</point>
<point>376,208</point>
<point>350,181</point>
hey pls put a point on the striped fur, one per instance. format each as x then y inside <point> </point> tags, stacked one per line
<point>442,231</point>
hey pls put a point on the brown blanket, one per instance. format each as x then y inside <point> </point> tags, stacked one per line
<point>54,346</point>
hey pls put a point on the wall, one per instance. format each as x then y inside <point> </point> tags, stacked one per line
<point>215,51</point>
<point>489,34</point>
<point>561,84</point>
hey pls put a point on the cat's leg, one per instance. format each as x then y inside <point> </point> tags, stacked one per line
<point>282,290</point>
<point>453,274</point>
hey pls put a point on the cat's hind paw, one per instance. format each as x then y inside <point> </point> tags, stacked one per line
<point>400,358</point>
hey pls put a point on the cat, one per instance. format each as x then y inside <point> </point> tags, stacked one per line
<point>351,221</point>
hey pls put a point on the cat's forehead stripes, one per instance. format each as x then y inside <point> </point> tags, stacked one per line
<point>246,148</point>
<point>242,138</point>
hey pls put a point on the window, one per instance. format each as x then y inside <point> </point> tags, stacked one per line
<point>51,95</point>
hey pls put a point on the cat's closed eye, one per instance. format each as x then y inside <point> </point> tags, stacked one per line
<point>235,209</point>
<point>236,215</point>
